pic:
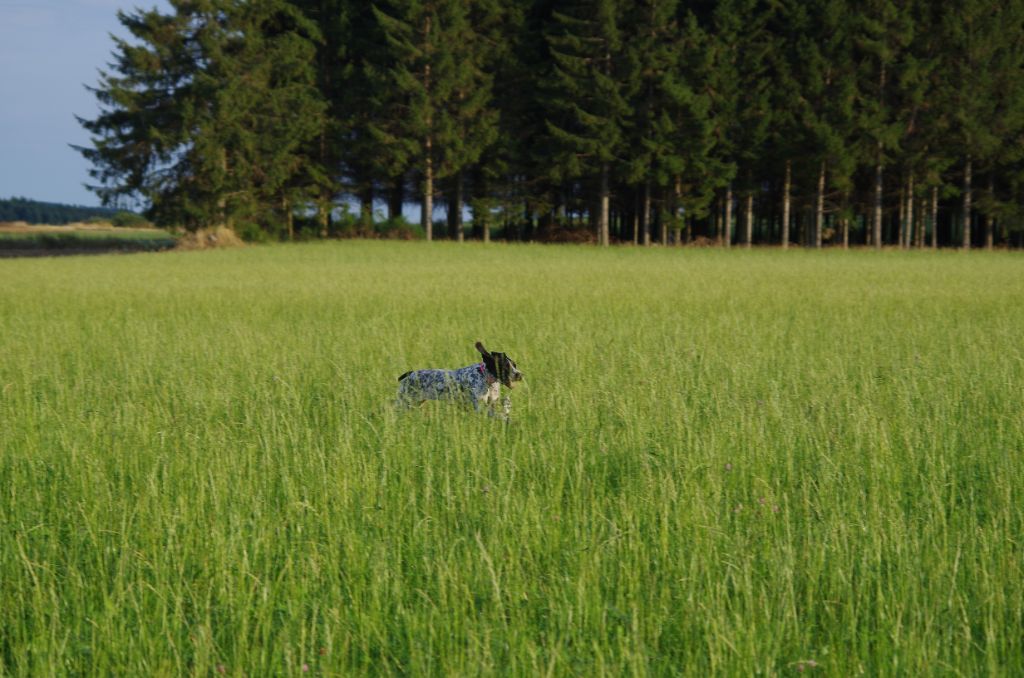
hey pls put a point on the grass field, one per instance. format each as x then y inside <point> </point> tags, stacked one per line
<point>723,463</point>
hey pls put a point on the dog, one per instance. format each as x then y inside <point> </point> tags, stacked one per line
<point>478,385</point>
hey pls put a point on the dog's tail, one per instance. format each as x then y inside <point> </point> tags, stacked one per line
<point>405,375</point>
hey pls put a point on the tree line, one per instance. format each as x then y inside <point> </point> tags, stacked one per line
<point>808,122</point>
<point>37,212</point>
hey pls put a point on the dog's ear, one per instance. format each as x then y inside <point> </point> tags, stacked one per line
<point>483,351</point>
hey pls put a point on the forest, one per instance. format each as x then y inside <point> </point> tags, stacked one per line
<point>731,122</point>
<point>37,212</point>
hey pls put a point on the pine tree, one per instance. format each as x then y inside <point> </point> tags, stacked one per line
<point>664,110</point>
<point>207,110</point>
<point>516,44</point>
<point>925,153</point>
<point>586,104</point>
<point>470,122</point>
<point>140,137</point>
<point>882,31</point>
<point>786,139</point>
<point>731,66</point>
<point>438,93</point>
<point>749,115</point>
<point>982,62</point>
<point>338,24</point>
<point>826,109</point>
<point>707,168</point>
<point>264,109</point>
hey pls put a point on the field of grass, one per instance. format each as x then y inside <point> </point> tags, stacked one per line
<point>15,239</point>
<point>722,463</point>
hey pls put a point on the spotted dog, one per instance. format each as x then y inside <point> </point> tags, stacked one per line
<point>477,385</point>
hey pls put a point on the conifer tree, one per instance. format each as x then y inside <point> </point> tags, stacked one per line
<point>264,108</point>
<point>470,123</point>
<point>824,69</point>
<point>586,103</point>
<point>139,137</point>
<point>786,138</point>
<point>440,95</point>
<point>733,70</point>
<point>706,167</point>
<point>206,110</point>
<point>882,31</point>
<point>325,152</point>
<point>378,128</point>
<point>982,62</point>
<point>516,45</point>
<point>750,116</point>
<point>925,147</point>
<point>663,106</point>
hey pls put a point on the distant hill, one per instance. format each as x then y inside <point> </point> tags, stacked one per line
<point>36,212</point>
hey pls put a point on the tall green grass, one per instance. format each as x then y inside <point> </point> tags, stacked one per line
<point>721,463</point>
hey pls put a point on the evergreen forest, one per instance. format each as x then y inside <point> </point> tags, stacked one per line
<point>37,212</point>
<point>730,122</point>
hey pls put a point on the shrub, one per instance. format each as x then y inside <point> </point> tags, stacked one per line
<point>126,219</point>
<point>398,228</point>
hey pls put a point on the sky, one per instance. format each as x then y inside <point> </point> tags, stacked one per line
<point>49,51</point>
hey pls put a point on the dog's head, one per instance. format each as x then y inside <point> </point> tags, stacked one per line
<point>500,366</point>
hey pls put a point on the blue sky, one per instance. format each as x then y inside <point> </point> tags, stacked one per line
<point>49,50</point>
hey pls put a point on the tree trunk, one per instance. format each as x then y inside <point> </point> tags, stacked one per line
<point>602,222</point>
<point>935,217</point>
<point>636,217</point>
<point>748,222</point>
<point>482,216</point>
<point>966,242</point>
<point>989,221</point>
<point>395,198</point>
<point>646,214</point>
<point>222,202</point>
<point>922,223</point>
<point>427,217</point>
<point>455,209</point>
<point>366,206</point>
<point>819,209</point>
<point>727,224</point>
<point>786,188</point>
<point>877,225</point>
<point>844,221</point>
<point>677,191</point>
<point>901,222</point>
<point>910,211</point>
<point>289,218</point>
<point>876,236</point>
<point>323,216</point>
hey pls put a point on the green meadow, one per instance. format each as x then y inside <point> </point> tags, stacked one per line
<point>721,463</point>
